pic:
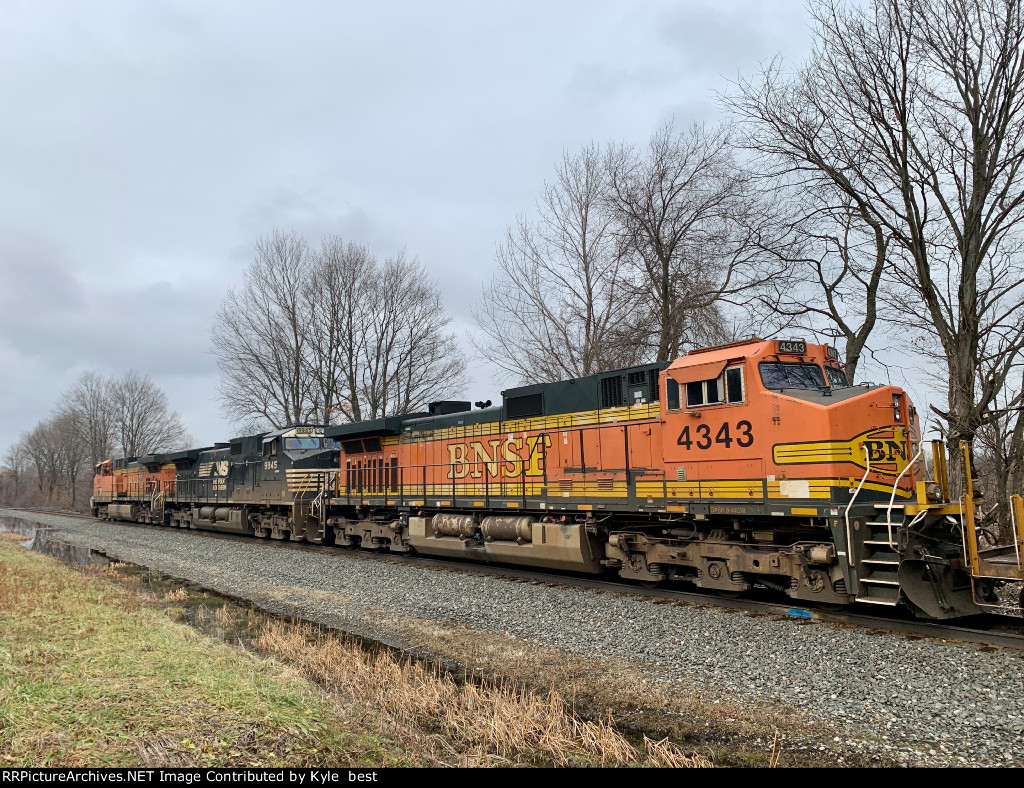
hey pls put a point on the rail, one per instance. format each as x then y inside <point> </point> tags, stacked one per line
<point>995,630</point>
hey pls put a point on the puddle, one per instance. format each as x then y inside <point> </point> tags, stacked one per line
<point>43,539</point>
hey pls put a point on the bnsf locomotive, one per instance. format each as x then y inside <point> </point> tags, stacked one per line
<point>754,463</point>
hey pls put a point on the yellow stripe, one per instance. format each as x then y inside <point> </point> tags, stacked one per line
<point>561,421</point>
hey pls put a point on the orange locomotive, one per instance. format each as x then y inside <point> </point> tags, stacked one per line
<point>751,464</point>
<point>129,483</point>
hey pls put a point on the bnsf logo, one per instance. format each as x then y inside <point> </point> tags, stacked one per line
<point>497,458</point>
<point>886,451</point>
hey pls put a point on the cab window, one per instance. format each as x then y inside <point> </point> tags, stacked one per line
<point>790,375</point>
<point>301,444</point>
<point>728,387</point>
<point>672,395</point>
<point>703,392</point>
<point>836,378</point>
<point>734,385</point>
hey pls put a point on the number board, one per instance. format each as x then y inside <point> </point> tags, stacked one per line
<point>743,437</point>
<point>794,346</point>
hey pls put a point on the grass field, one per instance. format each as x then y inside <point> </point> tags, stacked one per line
<point>98,671</point>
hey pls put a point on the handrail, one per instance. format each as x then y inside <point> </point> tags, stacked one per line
<point>892,498</point>
<point>849,542</point>
<point>1017,518</point>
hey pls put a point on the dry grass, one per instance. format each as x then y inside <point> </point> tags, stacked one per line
<point>11,536</point>
<point>93,674</point>
<point>729,732</point>
<point>478,722</point>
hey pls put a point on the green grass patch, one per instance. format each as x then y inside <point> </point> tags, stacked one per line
<point>95,674</point>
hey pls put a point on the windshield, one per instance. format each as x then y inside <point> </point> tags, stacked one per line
<point>836,378</point>
<point>787,375</point>
<point>297,444</point>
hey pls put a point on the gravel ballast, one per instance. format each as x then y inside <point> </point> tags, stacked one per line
<point>921,702</point>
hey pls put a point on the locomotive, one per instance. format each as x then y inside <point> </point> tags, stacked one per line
<point>749,464</point>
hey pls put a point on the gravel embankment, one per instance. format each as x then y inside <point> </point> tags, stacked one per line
<point>916,701</point>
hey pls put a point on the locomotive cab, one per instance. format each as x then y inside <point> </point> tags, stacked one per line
<point>744,411</point>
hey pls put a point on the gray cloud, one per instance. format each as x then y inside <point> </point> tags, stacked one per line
<point>145,146</point>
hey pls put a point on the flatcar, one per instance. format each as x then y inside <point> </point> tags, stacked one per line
<point>749,464</point>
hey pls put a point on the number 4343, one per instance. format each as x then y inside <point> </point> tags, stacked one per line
<point>702,439</point>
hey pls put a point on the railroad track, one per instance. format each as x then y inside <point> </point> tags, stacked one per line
<point>997,630</point>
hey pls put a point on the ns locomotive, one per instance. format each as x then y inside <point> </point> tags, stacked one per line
<point>754,463</point>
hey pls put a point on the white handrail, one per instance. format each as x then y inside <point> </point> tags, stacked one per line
<point>1016,533</point>
<point>892,498</point>
<point>849,550</point>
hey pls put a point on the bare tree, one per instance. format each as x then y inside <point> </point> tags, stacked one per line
<point>998,452</point>
<point>87,407</point>
<point>16,460</point>
<point>914,111</point>
<point>685,220</point>
<point>562,304</point>
<point>339,290</point>
<point>408,359</point>
<point>143,421</point>
<point>72,453</point>
<point>331,334</point>
<point>260,334</point>
<point>829,262</point>
<point>42,446</point>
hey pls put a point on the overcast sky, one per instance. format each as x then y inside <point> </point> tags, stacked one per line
<point>145,145</point>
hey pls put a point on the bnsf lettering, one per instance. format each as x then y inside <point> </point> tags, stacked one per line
<point>886,450</point>
<point>497,458</point>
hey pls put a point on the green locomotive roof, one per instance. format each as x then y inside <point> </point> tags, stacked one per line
<point>389,425</point>
<point>614,388</point>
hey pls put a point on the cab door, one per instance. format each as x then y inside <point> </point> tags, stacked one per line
<point>708,421</point>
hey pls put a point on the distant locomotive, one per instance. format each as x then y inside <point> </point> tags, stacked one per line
<point>754,463</point>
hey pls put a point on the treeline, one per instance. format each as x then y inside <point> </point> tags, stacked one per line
<point>331,334</point>
<point>96,418</point>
